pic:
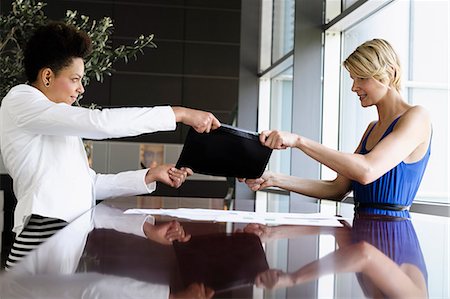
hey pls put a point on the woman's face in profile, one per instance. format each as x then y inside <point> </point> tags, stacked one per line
<point>369,90</point>
<point>66,86</point>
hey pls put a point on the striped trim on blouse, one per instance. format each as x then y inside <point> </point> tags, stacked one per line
<point>37,230</point>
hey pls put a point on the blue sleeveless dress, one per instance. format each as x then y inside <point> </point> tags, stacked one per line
<point>397,186</point>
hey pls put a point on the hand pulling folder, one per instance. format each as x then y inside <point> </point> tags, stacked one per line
<point>226,151</point>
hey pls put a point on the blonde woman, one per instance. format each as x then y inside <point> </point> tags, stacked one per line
<point>387,167</point>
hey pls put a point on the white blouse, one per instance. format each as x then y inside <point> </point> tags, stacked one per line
<point>42,150</point>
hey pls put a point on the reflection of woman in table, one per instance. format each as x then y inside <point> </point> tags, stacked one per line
<point>52,270</point>
<point>383,250</point>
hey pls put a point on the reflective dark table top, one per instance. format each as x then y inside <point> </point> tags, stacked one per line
<point>103,254</point>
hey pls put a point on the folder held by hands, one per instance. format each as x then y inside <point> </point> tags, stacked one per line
<point>227,151</point>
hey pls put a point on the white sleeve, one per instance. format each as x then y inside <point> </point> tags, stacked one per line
<point>113,218</point>
<point>127,183</point>
<point>33,112</point>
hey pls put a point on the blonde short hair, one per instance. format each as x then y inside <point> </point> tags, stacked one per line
<point>375,59</point>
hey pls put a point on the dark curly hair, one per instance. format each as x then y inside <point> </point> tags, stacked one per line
<point>54,46</point>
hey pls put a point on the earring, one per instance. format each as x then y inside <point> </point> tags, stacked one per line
<point>47,84</point>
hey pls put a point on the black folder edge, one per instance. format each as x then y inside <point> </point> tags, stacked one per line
<point>234,130</point>
<point>241,132</point>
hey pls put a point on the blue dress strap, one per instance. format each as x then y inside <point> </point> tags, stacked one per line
<point>390,128</point>
<point>363,145</point>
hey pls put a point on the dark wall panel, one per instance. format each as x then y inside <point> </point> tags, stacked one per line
<point>165,3</point>
<point>134,19</point>
<point>145,90</point>
<point>210,94</point>
<point>227,4</point>
<point>213,25</point>
<point>212,60</point>
<point>167,58</point>
<point>56,9</point>
<point>98,93</point>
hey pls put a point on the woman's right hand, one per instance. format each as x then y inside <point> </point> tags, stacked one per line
<point>201,121</point>
<point>266,180</point>
<point>279,139</point>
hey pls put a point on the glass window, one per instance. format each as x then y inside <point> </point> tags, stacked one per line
<point>281,117</point>
<point>283,28</point>
<point>429,52</point>
<point>348,3</point>
<point>332,9</point>
<point>428,87</point>
<point>434,186</point>
<point>265,55</point>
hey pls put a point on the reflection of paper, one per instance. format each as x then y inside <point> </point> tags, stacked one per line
<point>244,217</point>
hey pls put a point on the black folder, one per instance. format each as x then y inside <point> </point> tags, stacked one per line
<point>227,151</point>
<point>221,261</point>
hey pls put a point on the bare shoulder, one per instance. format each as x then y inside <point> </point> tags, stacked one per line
<point>417,112</point>
<point>416,116</point>
<point>416,121</point>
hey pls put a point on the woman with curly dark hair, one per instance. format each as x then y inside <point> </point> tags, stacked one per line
<point>41,141</point>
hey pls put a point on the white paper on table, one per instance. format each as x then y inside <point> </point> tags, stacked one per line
<point>316,219</point>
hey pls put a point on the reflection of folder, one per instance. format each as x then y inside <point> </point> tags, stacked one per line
<point>221,261</point>
<point>226,151</point>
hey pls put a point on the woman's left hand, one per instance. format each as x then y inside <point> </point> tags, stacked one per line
<point>278,139</point>
<point>168,174</point>
<point>178,176</point>
<point>166,233</point>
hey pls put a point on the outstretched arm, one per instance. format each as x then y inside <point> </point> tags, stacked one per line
<point>33,112</point>
<point>335,189</point>
<point>405,281</point>
<point>137,182</point>
<point>412,131</point>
